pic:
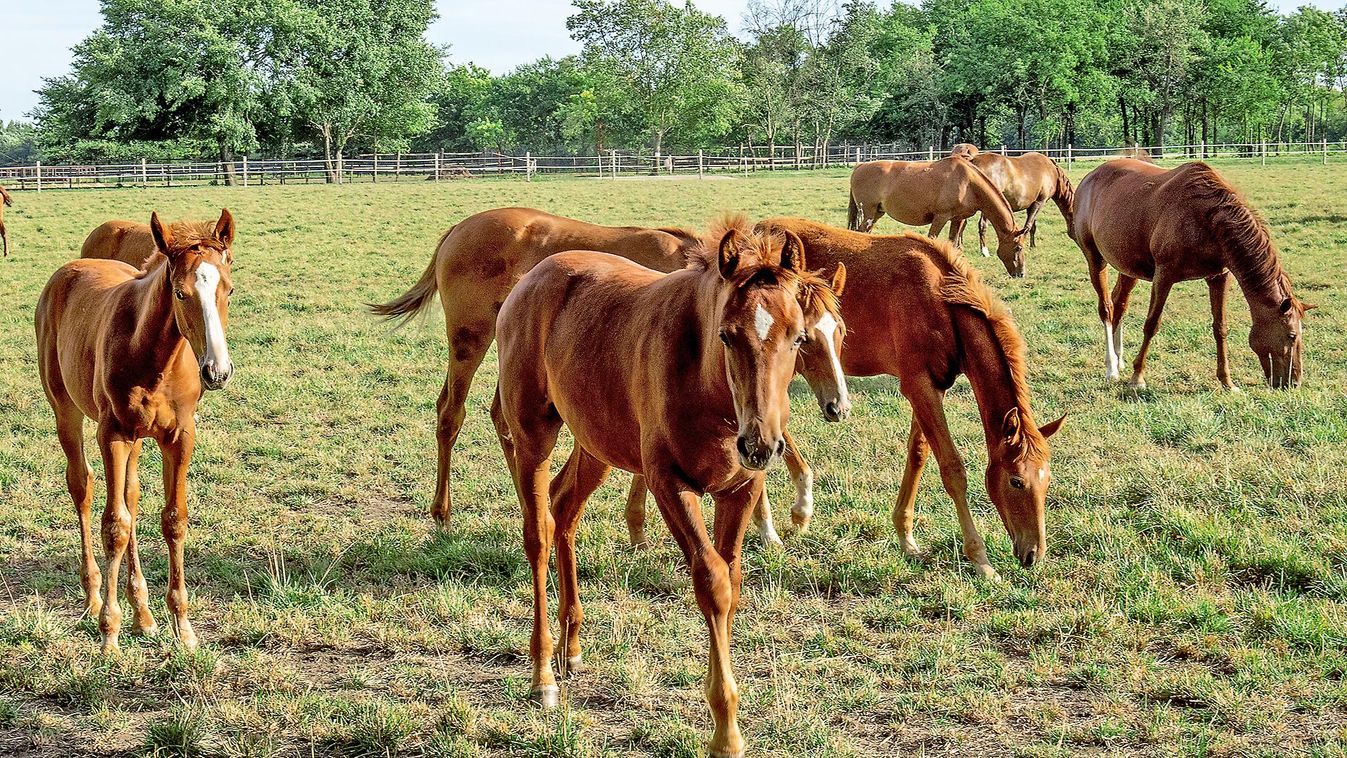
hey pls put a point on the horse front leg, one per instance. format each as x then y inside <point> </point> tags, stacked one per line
<point>1217,287</point>
<point>937,225</point>
<point>635,512</point>
<point>1031,220</point>
<point>803,476</point>
<point>136,589</point>
<point>715,581</point>
<point>116,528</point>
<point>928,409</point>
<point>177,455</point>
<point>982,235</point>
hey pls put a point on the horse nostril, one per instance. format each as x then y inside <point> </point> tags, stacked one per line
<point>1030,557</point>
<point>741,445</point>
<point>781,446</point>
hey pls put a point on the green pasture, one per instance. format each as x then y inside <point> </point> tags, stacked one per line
<point>1194,601</point>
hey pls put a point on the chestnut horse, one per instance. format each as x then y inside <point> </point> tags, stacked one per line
<point>478,262</point>
<point>5,200</point>
<point>133,351</point>
<point>936,193</point>
<point>916,310</point>
<point>682,378</point>
<point>1027,182</point>
<point>475,265</point>
<point>1175,225</point>
<point>132,243</point>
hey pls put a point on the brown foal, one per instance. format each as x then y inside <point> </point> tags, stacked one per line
<point>682,378</point>
<point>133,350</point>
<point>1175,225</point>
<point>132,242</point>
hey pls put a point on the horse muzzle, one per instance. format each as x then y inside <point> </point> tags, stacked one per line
<point>215,377</point>
<point>756,454</point>
<point>1029,554</point>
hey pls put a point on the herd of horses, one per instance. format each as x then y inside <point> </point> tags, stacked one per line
<point>668,354</point>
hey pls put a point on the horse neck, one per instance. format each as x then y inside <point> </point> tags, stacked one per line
<point>1259,274</point>
<point>984,362</point>
<point>994,205</point>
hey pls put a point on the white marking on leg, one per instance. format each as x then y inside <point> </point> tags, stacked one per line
<point>803,510</point>
<point>763,515</point>
<point>763,321</point>
<point>827,326</point>
<point>985,252</point>
<point>207,280</point>
<point>1110,357</point>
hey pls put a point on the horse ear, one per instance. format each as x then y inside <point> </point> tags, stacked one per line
<point>792,253</point>
<point>1307,307</point>
<point>1049,429</point>
<point>163,238</point>
<point>1010,427</point>
<point>224,228</point>
<point>729,254</point>
<point>1019,233</point>
<point>839,279</point>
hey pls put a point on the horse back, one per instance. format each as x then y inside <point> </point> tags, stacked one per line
<point>125,241</point>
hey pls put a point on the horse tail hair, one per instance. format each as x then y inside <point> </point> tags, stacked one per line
<point>1065,198</point>
<point>414,300</point>
<point>853,213</point>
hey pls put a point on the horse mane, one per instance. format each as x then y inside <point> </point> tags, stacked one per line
<point>1065,197</point>
<point>1250,250</point>
<point>962,287</point>
<point>186,235</point>
<point>5,198</point>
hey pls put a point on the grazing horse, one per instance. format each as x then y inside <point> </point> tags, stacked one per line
<point>1175,225</point>
<point>682,378</point>
<point>1027,182</point>
<point>132,243</point>
<point>917,311</point>
<point>936,193</point>
<point>133,351</point>
<point>478,262</point>
<point>965,149</point>
<point>5,200</point>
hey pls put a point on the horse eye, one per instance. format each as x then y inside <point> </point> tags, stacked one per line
<point>180,294</point>
<point>231,291</point>
<point>725,338</point>
<point>799,339</point>
<point>1017,482</point>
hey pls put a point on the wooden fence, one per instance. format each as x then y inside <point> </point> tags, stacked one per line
<point>399,167</point>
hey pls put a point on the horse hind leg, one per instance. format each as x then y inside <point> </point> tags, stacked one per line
<point>79,479</point>
<point>470,336</point>
<point>4,236</point>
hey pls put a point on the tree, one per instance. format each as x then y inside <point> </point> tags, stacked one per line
<point>348,69</point>
<point>678,66</point>
<point>176,78</point>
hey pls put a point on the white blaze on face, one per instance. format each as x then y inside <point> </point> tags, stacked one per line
<point>763,321</point>
<point>207,281</point>
<point>827,326</point>
<point>1042,473</point>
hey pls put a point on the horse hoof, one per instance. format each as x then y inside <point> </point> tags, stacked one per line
<point>987,572</point>
<point>110,646</point>
<point>770,537</point>
<point>149,630</point>
<point>546,696</point>
<point>724,754</point>
<point>575,663</point>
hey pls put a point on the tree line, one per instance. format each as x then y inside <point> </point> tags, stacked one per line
<point>214,79</point>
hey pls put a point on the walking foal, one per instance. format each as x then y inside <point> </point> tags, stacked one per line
<point>133,350</point>
<point>682,378</point>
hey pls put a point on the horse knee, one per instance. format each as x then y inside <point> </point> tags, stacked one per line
<point>116,531</point>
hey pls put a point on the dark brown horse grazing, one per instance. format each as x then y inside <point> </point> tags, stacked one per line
<point>133,350</point>
<point>132,242</point>
<point>1027,182</point>
<point>5,200</point>
<point>476,264</point>
<point>949,190</point>
<point>682,378</point>
<point>916,310</point>
<point>1174,225</point>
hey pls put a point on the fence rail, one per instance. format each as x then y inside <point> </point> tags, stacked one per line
<point>396,167</point>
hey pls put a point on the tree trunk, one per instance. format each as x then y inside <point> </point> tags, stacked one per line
<point>1126,129</point>
<point>227,159</point>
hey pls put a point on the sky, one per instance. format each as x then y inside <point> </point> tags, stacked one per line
<point>36,36</point>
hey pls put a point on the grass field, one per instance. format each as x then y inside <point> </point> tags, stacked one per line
<point>1194,601</point>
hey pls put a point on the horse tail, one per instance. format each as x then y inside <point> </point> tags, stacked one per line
<point>414,300</point>
<point>853,213</point>
<point>1065,198</point>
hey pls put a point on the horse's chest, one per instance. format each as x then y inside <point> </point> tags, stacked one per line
<point>148,413</point>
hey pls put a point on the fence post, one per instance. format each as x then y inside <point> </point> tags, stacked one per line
<point>701,164</point>
<point>39,177</point>
<point>397,167</point>
<point>1263,162</point>
<point>930,153</point>
<point>245,171</point>
<point>528,166</point>
<point>1068,157</point>
<point>437,165</point>
<point>1325,151</point>
<point>375,177</point>
<point>144,179</point>
<point>1003,148</point>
